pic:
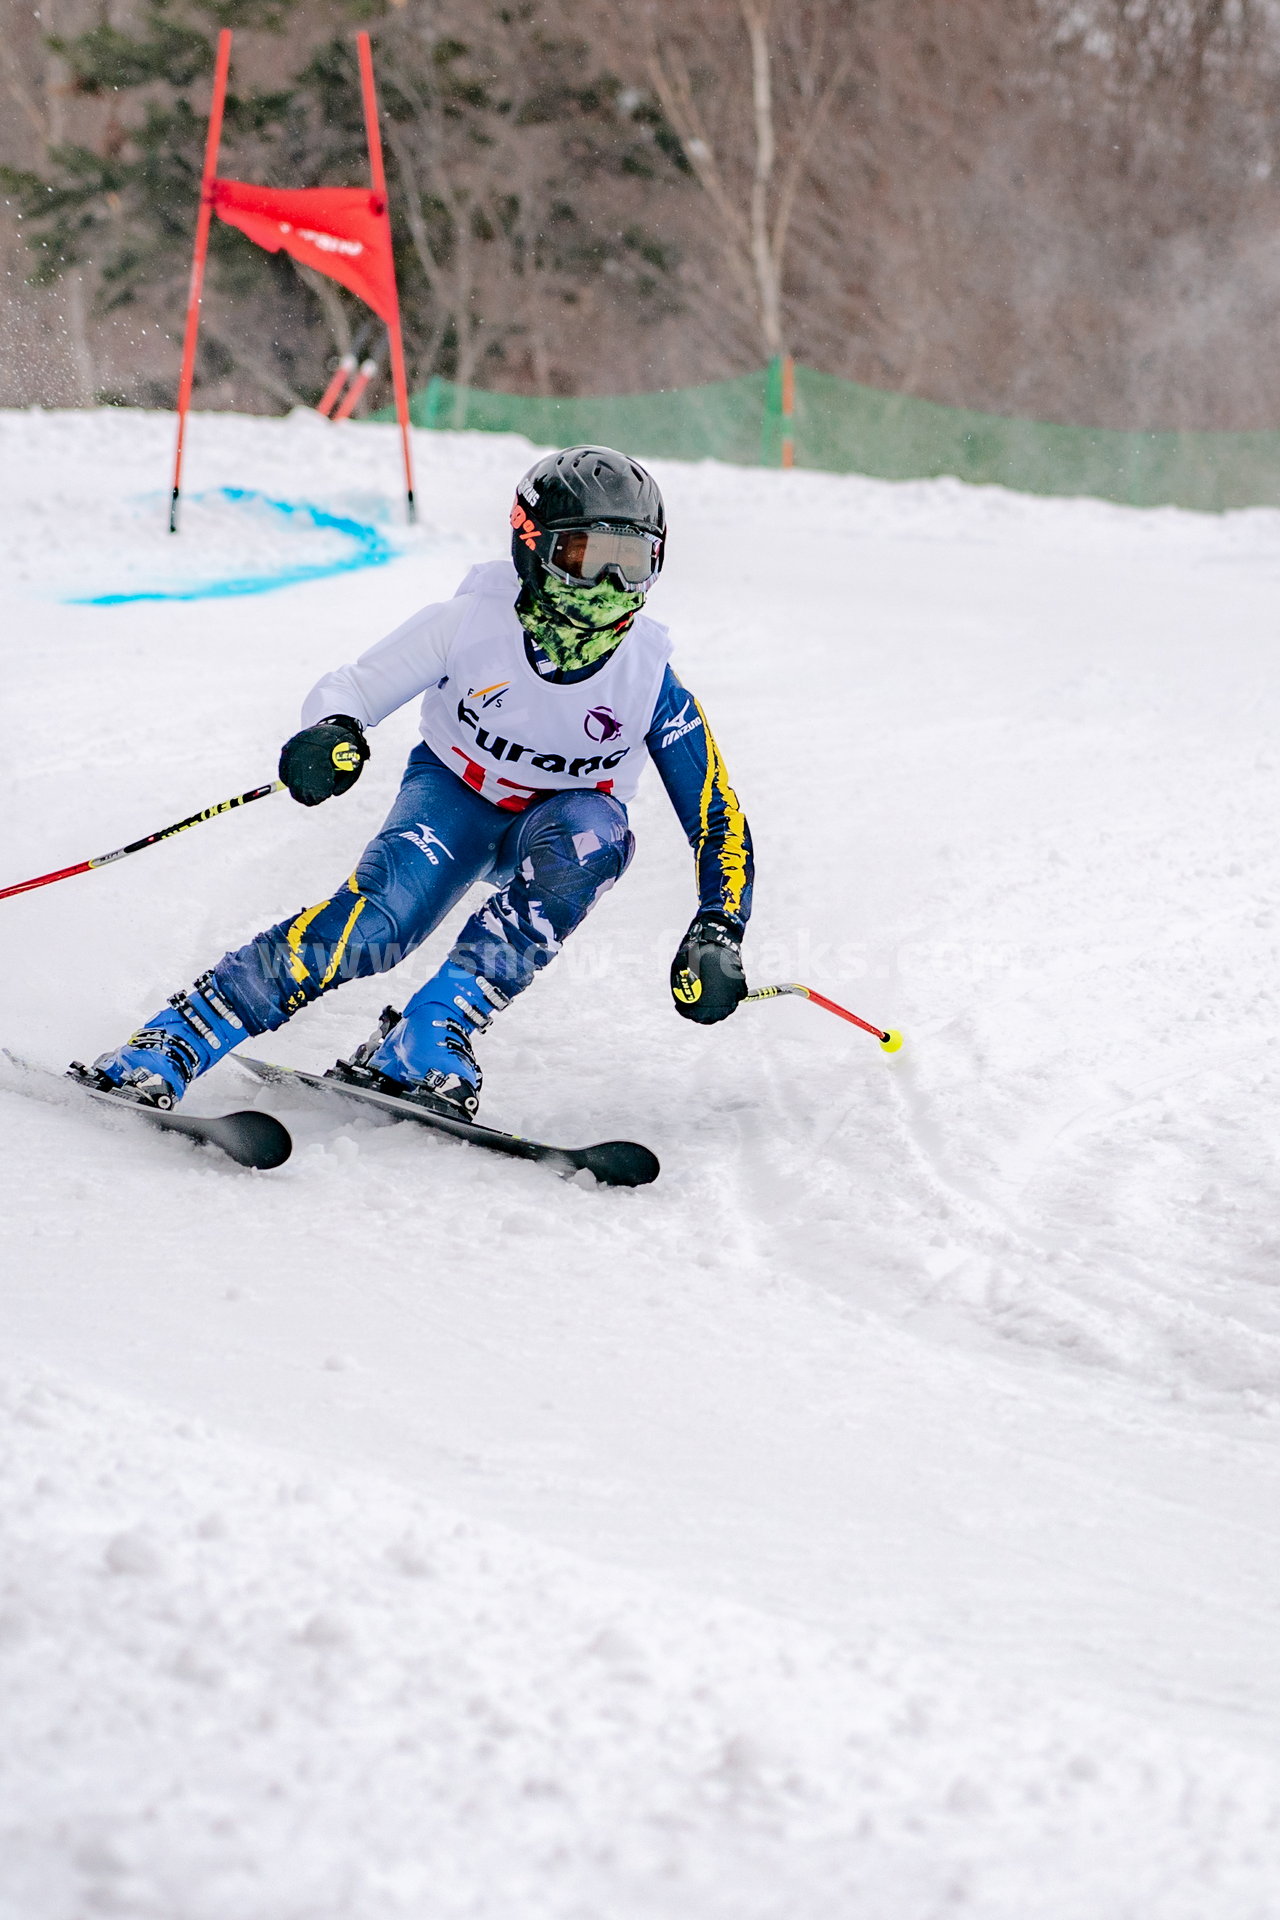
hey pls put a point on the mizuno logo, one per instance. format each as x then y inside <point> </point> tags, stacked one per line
<point>679,726</point>
<point>426,839</point>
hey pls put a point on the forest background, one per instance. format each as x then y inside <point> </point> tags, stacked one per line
<point>1066,211</point>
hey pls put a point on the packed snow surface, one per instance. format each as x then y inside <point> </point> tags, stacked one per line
<point>877,1517</point>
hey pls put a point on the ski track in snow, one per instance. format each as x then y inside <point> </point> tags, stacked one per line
<point>877,1516</point>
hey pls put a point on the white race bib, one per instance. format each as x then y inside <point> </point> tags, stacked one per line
<point>512,735</point>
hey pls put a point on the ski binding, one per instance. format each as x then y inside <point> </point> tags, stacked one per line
<point>251,1139</point>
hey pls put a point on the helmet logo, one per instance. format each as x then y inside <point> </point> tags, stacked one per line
<point>602,724</point>
<point>524,526</point>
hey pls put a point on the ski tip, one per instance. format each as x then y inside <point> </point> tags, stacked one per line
<point>253,1139</point>
<point>621,1163</point>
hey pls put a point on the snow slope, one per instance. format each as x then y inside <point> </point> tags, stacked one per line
<point>878,1516</point>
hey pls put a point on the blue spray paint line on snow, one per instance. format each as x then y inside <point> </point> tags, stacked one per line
<point>369,549</point>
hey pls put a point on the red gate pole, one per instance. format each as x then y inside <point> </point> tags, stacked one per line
<point>195,291</point>
<point>329,398</point>
<point>378,181</point>
<point>363,375</point>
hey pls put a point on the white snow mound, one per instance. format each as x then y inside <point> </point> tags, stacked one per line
<point>878,1515</point>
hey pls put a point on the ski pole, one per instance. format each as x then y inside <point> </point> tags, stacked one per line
<point>888,1038</point>
<point>149,840</point>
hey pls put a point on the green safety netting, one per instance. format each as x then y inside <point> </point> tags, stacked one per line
<point>842,427</point>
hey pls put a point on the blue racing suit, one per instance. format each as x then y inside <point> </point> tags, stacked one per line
<point>549,865</point>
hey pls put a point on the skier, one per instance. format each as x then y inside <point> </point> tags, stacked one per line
<point>545,688</point>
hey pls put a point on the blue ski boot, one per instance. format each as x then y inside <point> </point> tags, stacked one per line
<point>424,1055</point>
<point>157,1064</point>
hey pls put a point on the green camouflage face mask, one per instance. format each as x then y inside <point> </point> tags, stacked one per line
<point>577,626</point>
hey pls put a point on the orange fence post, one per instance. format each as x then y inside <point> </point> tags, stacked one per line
<point>788,410</point>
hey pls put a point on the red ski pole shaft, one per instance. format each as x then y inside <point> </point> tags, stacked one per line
<point>888,1038</point>
<point>148,840</point>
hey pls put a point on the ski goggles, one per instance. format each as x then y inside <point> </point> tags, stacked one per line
<point>583,555</point>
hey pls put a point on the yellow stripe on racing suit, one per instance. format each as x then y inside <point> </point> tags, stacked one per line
<point>693,771</point>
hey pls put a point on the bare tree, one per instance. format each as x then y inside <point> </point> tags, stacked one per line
<point>43,106</point>
<point>750,142</point>
<point>1059,208</point>
<point>504,138</point>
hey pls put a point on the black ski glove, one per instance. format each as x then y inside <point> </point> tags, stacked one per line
<point>324,759</point>
<point>707,980</point>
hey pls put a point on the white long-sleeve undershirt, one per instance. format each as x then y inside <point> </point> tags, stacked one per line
<point>395,670</point>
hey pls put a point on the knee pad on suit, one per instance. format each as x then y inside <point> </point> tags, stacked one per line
<point>586,831</point>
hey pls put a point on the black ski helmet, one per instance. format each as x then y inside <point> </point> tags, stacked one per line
<point>583,487</point>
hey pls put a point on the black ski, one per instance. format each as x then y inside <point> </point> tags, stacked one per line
<point>250,1139</point>
<point>615,1163</point>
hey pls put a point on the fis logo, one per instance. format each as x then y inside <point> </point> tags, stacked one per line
<point>602,723</point>
<point>426,840</point>
<point>489,696</point>
<point>680,725</point>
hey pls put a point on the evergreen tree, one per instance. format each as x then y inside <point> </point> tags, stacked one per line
<point>505,156</point>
